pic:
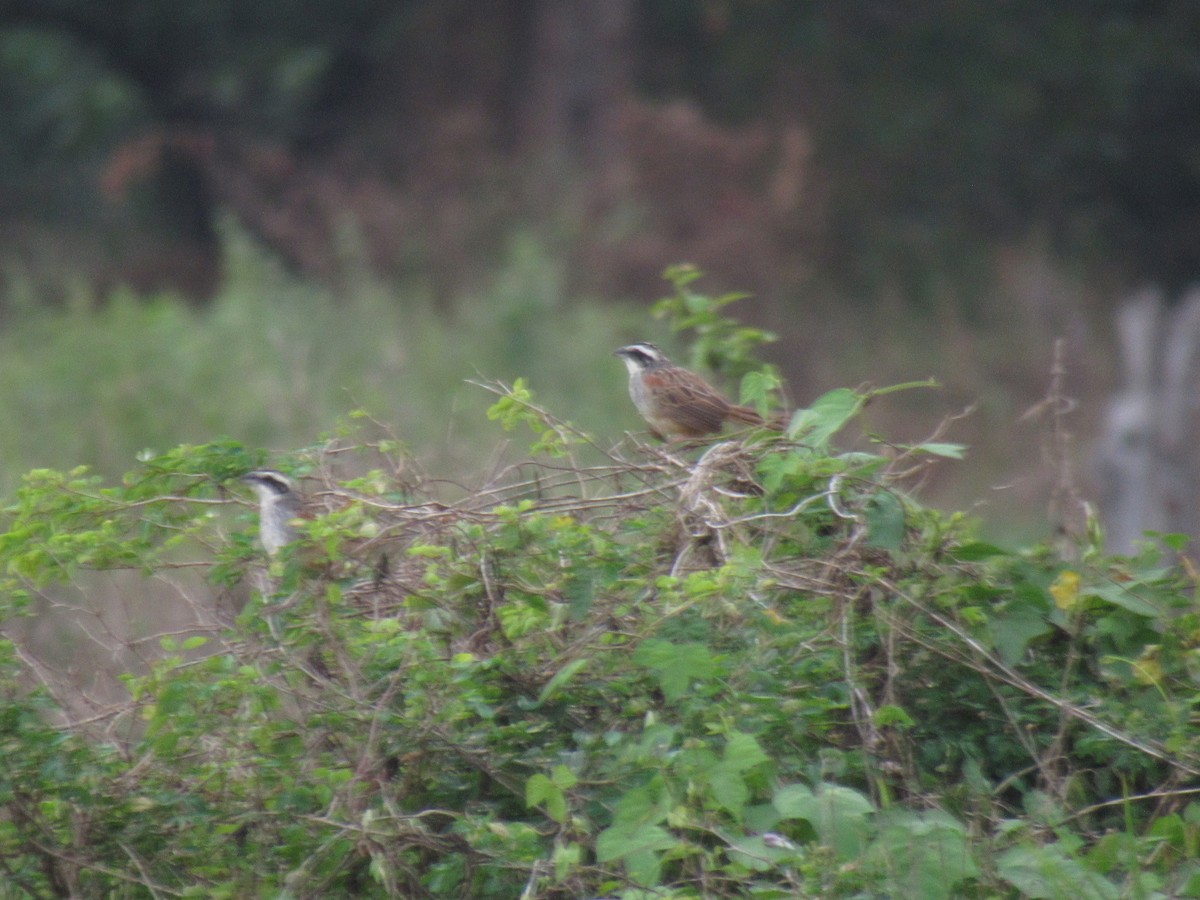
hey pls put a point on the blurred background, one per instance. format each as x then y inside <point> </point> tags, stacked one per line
<point>248,217</point>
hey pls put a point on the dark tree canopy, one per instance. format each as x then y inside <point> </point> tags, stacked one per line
<point>936,127</point>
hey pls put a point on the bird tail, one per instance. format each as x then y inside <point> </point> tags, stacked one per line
<point>748,416</point>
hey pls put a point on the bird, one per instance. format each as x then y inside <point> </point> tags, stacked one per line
<point>279,503</point>
<point>676,403</point>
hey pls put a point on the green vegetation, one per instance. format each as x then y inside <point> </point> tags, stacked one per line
<point>275,359</point>
<point>755,669</point>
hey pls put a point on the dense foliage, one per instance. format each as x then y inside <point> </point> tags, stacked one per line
<point>757,668</point>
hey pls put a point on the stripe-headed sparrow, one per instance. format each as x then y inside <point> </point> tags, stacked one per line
<point>278,504</point>
<point>675,402</point>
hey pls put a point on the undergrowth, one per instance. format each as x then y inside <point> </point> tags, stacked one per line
<point>274,359</point>
<point>754,668</point>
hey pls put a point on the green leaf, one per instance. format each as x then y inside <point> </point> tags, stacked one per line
<point>1048,873</point>
<point>754,853</point>
<point>729,788</point>
<point>838,814</point>
<point>580,594</point>
<point>1121,596</point>
<point>539,789</point>
<point>742,752</point>
<point>828,415</point>
<point>895,716</point>
<point>614,843</point>
<point>758,389</point>
<point>1015,626</point>
<point>556,806</point>
<point>676,665</point>
<point>567,858</point>
<point>642,805</point>
<point>974,551</point>
<point>794,801</point>
<point>790,470</point>
<point>1173,540</point>
<point>924,855</point>
<point>562,677</point>
<point>885,521</point>
<point>563,777</point>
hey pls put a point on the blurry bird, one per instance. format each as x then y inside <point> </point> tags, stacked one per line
<point>279,504</point>
<point>675,402</point>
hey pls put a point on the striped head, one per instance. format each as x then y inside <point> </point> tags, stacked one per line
<point>278,504</point>
<point>641,357</point>
<point>269,484</point>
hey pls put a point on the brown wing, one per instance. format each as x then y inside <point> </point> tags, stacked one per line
<point>688,401</point>
<point>747,416</point>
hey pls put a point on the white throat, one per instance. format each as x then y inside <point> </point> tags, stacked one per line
<point>633,365</point>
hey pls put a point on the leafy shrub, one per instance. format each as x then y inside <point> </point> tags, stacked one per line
<point>758,668</point>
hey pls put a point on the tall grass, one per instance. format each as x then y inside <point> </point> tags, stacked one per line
<point>274,360</point>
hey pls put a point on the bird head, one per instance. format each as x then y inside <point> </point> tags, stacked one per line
<point>641,356</point>
<point>269,484</point>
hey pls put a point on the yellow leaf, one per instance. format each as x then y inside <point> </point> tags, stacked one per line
<point>1065,590</point>
<point>1148,668</point>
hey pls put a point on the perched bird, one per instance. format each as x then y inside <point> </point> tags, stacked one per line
<point>675,402</point>
<point>278,504</point>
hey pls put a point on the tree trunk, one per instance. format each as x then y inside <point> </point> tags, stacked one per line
<point>1149,455</point>
<point>579,73</point>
